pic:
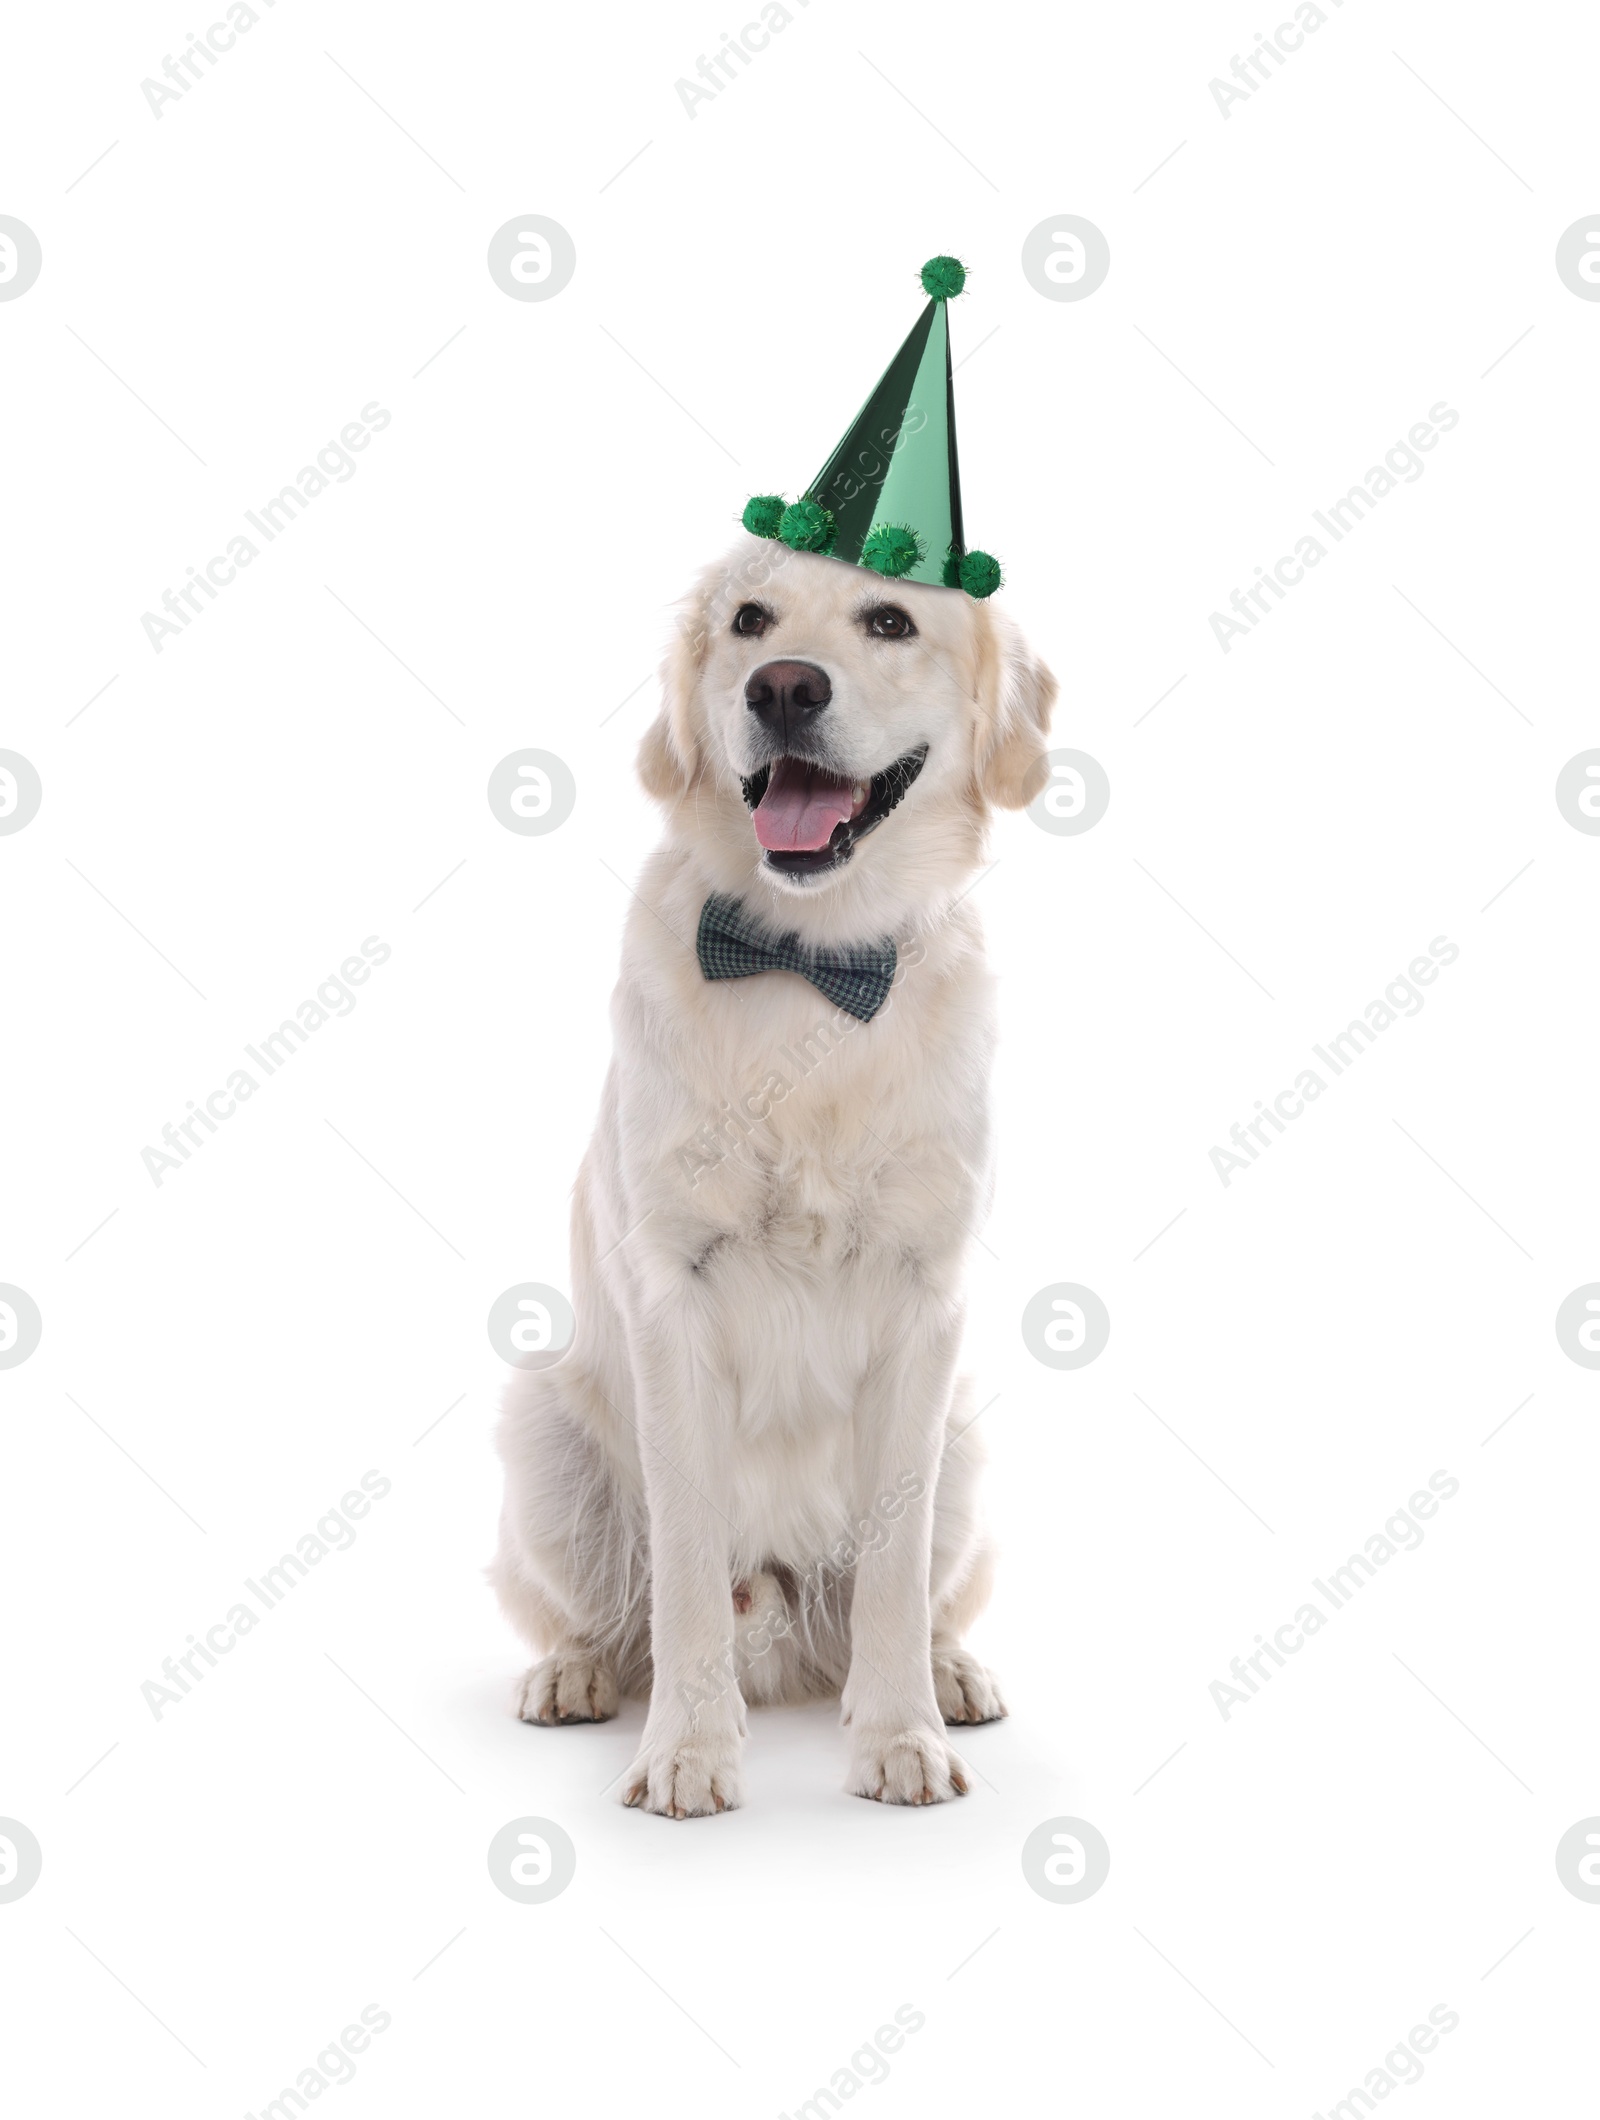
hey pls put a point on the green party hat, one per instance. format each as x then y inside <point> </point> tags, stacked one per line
<point>889,497</point>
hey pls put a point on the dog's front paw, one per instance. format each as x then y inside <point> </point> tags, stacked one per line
<point>965,1691</point>
<point>565,1689</point>
<point>693,1778</point>
<point>905,1766</point>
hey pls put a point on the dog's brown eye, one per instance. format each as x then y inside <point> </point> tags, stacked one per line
<point>889,622</point>
<point>751,619</point>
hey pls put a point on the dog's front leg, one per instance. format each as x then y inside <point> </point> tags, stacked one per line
<point>690,1761</point>
<point>898,1749</point>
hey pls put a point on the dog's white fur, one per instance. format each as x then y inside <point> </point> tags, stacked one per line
<point>752,1476</point>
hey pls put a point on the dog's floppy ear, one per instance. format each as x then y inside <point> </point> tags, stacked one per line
<point>670,755</point>
<point>1016,693</point>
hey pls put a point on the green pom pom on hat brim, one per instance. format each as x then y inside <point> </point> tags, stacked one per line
<point>762,514</point>
<point>976,572</point>
<point>892,550</point>
<point>806,526</point>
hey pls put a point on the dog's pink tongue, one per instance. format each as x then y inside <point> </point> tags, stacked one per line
<point>802,807</point>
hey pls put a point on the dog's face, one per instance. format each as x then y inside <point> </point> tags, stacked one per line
<point>833,732</point>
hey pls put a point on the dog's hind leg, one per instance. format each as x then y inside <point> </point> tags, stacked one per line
<point>571,1572</point>
<point>574,1684</point>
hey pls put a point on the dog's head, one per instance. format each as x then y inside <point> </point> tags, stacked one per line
<point>833,733</point>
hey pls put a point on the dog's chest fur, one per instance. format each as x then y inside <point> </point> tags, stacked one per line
<point>803,1188</point>
<point>823,1146</point>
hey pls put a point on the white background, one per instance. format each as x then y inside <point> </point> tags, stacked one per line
<point>1289,293</point>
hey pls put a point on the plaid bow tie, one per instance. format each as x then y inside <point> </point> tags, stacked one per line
<point>730,947</point>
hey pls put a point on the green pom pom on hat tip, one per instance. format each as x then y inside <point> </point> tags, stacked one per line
<point>943,278</point>
<point>978,573</point>
<point>762,514</point>
<point>892,549</point>
<point>806,526</point>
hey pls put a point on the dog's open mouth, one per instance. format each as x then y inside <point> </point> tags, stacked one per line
<point>808,819</point>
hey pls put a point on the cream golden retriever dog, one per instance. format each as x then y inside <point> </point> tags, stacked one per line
<point>752,1476</point>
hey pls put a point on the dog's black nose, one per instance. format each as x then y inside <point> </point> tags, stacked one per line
<point>784,696</point>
